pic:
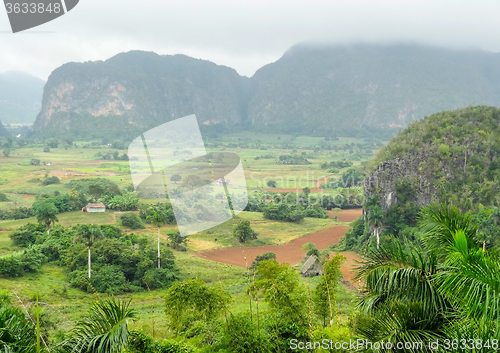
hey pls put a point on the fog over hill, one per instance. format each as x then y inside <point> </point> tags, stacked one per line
<point>20,97</point>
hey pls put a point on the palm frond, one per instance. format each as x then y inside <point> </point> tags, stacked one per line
<point>398,321</point>
<point>439,223</point>
<point>471,280</point>
<point>389,273</point>
<point>104,329</point>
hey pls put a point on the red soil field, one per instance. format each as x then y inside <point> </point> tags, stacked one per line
<point>349,215</point>
<point>318,189</point>
<point>349,265</point>
<point>28,196</point>
<point>291,252</point>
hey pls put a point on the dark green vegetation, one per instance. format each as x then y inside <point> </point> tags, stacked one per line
<point>61,203</point>
<point>449,157</point>
<point>325,91</point>
<point>446,288</point>
<point>121,262</point>
<point>21,97</point>
<point>243,232</point>
<point>280,308</point>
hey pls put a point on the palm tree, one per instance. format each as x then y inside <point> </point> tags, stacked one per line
<point>375,220</point>
<point>158,220</point>
<point>17,332</point>
<point>391,273</point>
<point>104,329</point>
<point>45,213</point>
<point>88,233</point>
<point>469,276</point>
<point>447,288</point>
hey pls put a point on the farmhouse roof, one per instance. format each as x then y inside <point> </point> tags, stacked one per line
<point>310,262</point>
<point>96,205</point>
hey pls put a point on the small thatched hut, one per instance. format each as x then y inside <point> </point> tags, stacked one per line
<point>312,267</point>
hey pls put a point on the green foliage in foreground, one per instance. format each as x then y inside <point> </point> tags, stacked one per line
<point>104,329</point>
<point>447,288</point>
<point>3,197</point>
<point>140,343</point>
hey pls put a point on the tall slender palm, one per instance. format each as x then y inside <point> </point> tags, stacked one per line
<point>158,219</point>
<point>376,220</point>
<point>104,329</point>
<point>88,233</point>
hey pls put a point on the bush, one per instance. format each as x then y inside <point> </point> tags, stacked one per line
<point>140,343</point>
<point>3,197</point>
<point>272,183</point>
<point>283,212</point>
<point>243,232</point>
<point>18,264</point>
<point>82,185</point>
<point>264,257</point>
<point>132,221</point>
<point>51,180</point>
<point>109,279</point>
<point>27,234</point>
<point>130,265</point>
<point>157,278</point>
<point>52,142</point>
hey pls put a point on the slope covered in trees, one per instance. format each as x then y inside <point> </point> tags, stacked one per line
<point>450,157</point>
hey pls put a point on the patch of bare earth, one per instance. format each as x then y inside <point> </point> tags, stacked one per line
<point>292,252</point>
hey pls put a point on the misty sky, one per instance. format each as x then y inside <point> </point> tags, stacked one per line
<point>242,34</point>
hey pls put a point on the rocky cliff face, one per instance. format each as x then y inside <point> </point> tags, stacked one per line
<point>386,176</point>
<point>344,90</point>
<point>137,91</point>
<point>448,157</point>
<point>348,89</point>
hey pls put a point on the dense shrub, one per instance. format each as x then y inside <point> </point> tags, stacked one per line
<point>284,212</point>
<point>51,180</point>
<point>140,343</point>
<point>82,185</point>
<point>27,234</point>
<point>132,221</point>
<point>17,213</point>
<point>3,197</point>
<point>130,265</point>
<point>20,263</point>
<point>264,257</point>
<point>128,202</point>
<point>163,209</point>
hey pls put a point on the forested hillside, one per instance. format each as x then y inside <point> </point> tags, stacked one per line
<point>450,157</point>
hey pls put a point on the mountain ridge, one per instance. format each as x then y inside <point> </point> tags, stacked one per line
<point>318,90</point>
